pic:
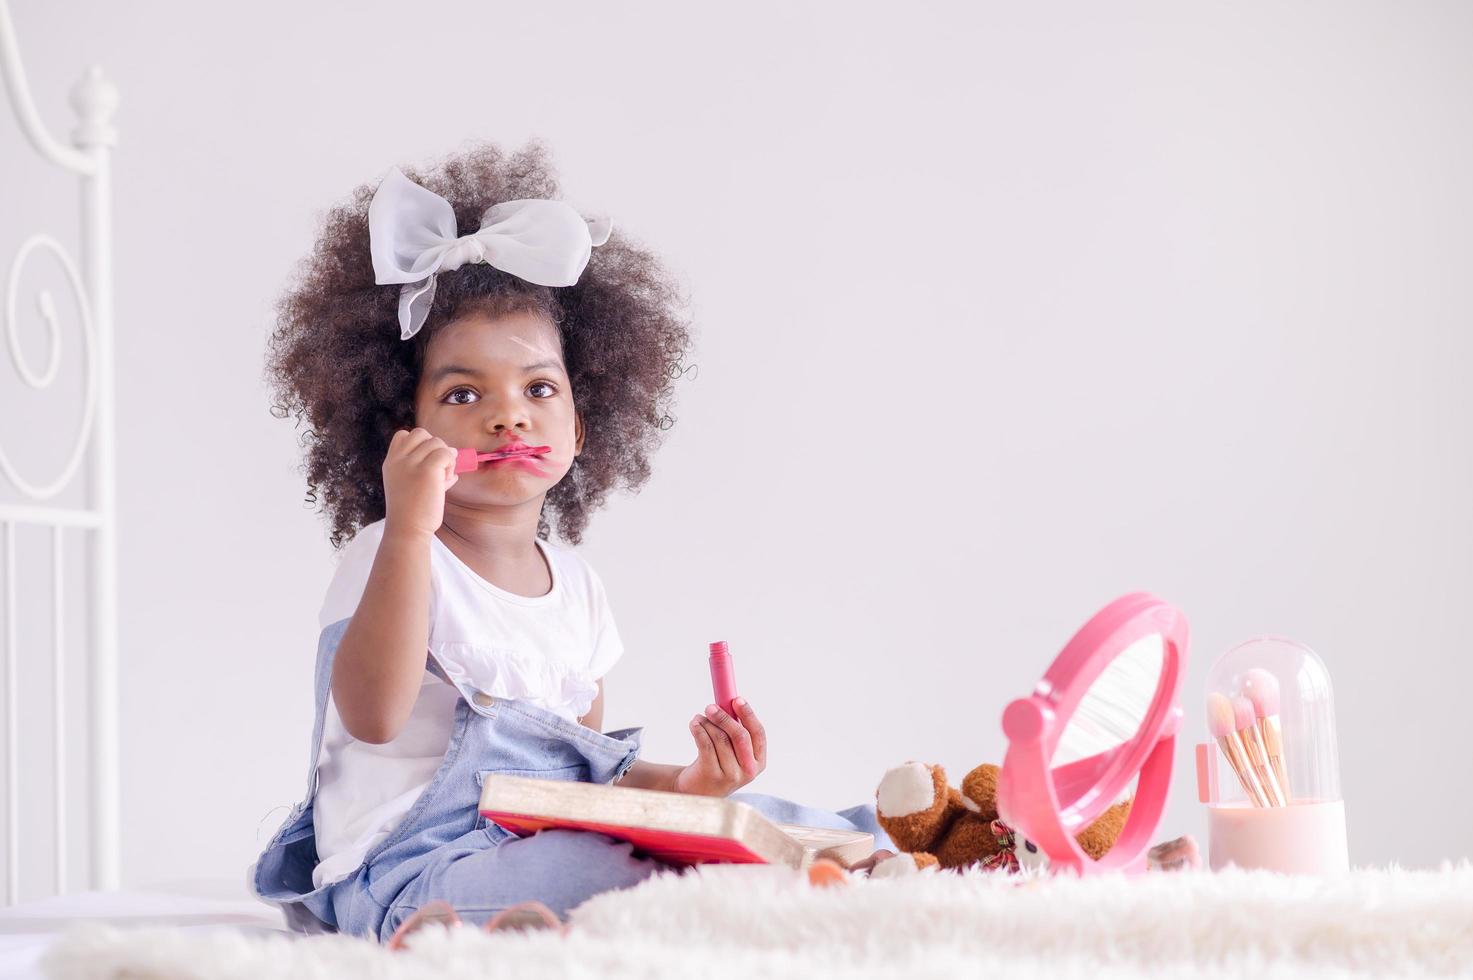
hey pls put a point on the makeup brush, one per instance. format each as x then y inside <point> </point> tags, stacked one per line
<point>1262,689</point>
<point>1254,748</point>
<point>1220,722</point>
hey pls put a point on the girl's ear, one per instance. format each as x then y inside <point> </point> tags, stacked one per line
<point>577,432</point>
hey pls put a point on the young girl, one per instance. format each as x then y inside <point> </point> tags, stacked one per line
<point>468,309</point>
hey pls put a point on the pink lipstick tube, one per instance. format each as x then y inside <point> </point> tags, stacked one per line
<point>723,680</point>
<point>470,458</point>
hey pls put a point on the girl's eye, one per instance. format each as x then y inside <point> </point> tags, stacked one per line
<point>455,399</point>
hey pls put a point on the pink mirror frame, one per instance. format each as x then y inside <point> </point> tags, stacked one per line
<point>1050,806</point>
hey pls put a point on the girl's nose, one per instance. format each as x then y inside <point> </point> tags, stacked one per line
<point>506,416</point>
<point>506,424</point>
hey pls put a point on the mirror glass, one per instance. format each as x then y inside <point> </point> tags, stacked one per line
<point>1113,709</point>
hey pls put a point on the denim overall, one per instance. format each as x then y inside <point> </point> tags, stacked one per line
<point>444,849</point>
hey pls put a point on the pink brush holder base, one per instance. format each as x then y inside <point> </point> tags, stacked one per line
<point>1302,838</point>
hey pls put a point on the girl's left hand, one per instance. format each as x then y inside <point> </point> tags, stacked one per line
<point>729,753</point>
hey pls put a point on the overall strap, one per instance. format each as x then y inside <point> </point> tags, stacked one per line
<point>327,648</point>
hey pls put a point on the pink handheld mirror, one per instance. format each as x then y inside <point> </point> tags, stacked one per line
<point>1105,713</point>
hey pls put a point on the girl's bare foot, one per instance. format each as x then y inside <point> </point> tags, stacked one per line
<point>524,916</point>
<point>824,872</point>
<point>431,913</point>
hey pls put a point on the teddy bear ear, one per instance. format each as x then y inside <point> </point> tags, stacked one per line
<point>980,786</point>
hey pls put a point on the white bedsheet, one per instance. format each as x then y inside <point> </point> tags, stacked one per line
<point>28,930</point>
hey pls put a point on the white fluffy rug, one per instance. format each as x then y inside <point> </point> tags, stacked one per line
<point>745,922</point>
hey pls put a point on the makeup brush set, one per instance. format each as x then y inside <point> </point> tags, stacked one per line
<point>1246,728</point>
<point>1271,775</point>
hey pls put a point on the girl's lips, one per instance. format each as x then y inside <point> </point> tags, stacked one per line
<point>527,461</point>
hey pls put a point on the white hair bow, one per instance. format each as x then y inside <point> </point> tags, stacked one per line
<point>412,235</point>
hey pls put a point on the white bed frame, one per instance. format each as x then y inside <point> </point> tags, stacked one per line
<point>94,99</point>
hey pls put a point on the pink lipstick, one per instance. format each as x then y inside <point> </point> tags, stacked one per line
<point>471,458</point>
<point>723,679</point>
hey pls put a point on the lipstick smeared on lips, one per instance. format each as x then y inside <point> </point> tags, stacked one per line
<point>519,449</point>
<point>469,458</point>
<point>519,456</point>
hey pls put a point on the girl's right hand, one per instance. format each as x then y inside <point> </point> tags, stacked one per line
<point>418,469</point>
<point>729,753</point>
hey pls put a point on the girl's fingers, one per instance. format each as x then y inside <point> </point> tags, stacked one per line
<point>725,756</point>
<point>754,728</point>
<point>705,748</point>
<point>433,453</point>
<point>399,444</point>
<point>427,448</point>
<point>741,742</point>
<point>445,456</point>
<point>409,438</point>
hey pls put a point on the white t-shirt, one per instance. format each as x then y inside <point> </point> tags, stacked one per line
<point>549,650</point>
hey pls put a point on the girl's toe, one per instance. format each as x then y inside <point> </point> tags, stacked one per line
<point>431,913</point>
<point>524,916</point>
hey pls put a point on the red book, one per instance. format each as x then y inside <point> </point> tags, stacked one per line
<point>675,827</point>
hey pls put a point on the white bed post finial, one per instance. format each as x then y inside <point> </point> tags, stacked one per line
<point>95,100</point>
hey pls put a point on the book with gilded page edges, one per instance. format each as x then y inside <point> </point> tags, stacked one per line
<point>675,827</point>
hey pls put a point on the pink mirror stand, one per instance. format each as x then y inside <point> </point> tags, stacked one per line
<point>1050,805</point>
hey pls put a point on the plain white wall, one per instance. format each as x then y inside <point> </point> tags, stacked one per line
<point>1163,296</point>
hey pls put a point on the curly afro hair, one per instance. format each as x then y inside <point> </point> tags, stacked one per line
<point>336,362</point>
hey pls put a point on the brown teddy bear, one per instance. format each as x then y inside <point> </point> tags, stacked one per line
<point>938,826</point>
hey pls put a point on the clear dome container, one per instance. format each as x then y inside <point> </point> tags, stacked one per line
<point>1269,768</point>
